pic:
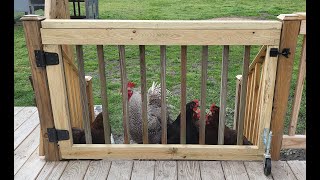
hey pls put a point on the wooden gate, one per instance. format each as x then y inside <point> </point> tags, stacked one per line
<point>55,33</point>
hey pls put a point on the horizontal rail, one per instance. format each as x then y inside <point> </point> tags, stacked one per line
<point>161,151</point>
<point>294,142</point>
<point>160,24</point>
<point>159,37</point>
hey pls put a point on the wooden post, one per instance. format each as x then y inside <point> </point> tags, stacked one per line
<point>289,36</point>
<point>32,25</point>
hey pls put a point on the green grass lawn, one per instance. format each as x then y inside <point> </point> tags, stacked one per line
<point>165,9</point>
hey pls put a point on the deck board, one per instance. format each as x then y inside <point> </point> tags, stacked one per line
<point>143,170</point>
<point>26,148</point>
<point>188,170</point>
<point>234,170</point>
<point>255,170</point>
<point>17,109</point>
<point>165,170</point>
<point>52,170</point>
<point>28,164</point>
<point>31,167</point>
<point>76,169</point>
<point>281,170</point>
<point>211,170</point>
<point>23,115</point>
<point>298,169</point>
<point>98,170</point>
<point>25,129</point>
<point>120,170</point>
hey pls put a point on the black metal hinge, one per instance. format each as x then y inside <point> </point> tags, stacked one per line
<point>56,135</point>
<point>46,58</point>
<point>285,52</point>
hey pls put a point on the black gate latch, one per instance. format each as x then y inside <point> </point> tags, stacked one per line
<point>285,52</point>
<point>56,135</point>
<point>46,58</point>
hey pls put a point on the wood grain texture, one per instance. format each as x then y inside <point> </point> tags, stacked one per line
<point>163,67</point>
<point>267,95</point>
<point>125,108</point>
<point>294,142</point>
<point>183,94</point>
<point>165,170</point>
<point>253,113</point>
<point>204,65</point>
<point>26,148</point>
<point>52,170</point>
<point>259,57</point>
<point>83,97</point>
<point>143,77</point>
<point>298,168</point>
<point>234,170</point>
<point>58,94</point>
<point>90,97</point>
<point>237,103</point>
<point>247,106</point>
<point>281,170</point>
<point>298,90</point>
<point>75,169</point>
<point>16,110</point>
<point>23,115</point>
<point>245,70</point>
<point>188,170</point>
<point>223,94</point>
<point>255,170</point>
<point>104,97</point>
<point>251,107</point>
<point>143,170</point>
<point>98,170</point>
<point>210,170</point>
<point>120,170</point>
<point>40,84</point>
<point>161,24</point>
<point>289,37</point>
<point>257,109</point>
<point>161,151</point>
<point>31,167</point>
<point>48,168</point>
<point>303,27</point>
<point>25,129</point>
<point>89,36</point>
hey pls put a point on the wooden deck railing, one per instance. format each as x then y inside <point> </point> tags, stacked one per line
<point>293,26</point>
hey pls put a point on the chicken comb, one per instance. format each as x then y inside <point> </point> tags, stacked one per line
<point>212,107</point>
<point>196,101</point>
<point>131,84</point>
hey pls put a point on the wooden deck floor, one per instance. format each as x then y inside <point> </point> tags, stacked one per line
<point>28,164</point>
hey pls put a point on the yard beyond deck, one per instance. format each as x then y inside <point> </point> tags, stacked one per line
<point>28,164</point>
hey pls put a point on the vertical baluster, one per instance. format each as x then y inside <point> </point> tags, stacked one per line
<point>183,95</point>
<point>223,94</point>
<point>124,83</point>
<point>104,97</point>
<point>204,65</point>
<point>163,94</point>
<point>245,69</point>
<point>84,100</point>
<point>144,94</point>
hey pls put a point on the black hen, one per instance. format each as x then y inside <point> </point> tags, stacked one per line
<point>192,132</point>
<point>212,125</point>
<point>97,132</point>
